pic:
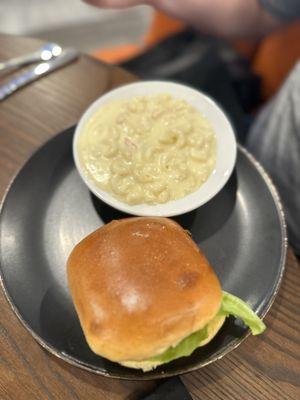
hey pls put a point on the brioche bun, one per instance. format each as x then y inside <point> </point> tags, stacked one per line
<point>139,286</point>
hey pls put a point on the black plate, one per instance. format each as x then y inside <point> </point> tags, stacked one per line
<point>48,209</point>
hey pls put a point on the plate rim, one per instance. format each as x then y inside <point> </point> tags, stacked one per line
<point>154,375</point>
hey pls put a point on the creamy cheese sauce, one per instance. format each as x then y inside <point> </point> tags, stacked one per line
<point>149,149</point>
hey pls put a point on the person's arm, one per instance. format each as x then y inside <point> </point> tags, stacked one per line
<point>227,18</point>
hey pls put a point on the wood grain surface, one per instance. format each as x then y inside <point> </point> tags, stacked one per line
<point>265,367</point>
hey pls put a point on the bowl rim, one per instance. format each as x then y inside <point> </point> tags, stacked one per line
<point>145,209</point>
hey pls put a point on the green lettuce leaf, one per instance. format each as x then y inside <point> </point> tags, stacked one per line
<point>184,348</point>
<point>232,305</point>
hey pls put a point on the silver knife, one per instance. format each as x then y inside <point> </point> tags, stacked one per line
<point>67,56</point>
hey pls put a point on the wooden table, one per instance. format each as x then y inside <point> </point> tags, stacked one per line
<point>265,367</point>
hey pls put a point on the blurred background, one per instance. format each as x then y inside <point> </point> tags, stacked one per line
<point>241,76</point>
<point>74,23</point>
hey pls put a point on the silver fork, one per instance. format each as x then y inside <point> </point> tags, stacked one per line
<point>45,53</point>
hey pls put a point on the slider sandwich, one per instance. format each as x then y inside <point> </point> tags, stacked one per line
<point>146,295</point>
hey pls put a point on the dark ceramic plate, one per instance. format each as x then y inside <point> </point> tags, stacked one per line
<point>48,209</point>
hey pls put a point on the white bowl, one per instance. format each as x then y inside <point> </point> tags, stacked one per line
<point>226,147</point>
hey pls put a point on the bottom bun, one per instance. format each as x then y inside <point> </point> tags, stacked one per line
<point>213,328</point>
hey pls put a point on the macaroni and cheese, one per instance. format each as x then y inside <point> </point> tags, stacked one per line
<point>148,149</point>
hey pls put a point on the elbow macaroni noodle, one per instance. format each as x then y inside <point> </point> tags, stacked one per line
<point>149,149</point>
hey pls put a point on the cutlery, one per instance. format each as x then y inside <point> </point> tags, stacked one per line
<point>45,53</point>
<point>67,56</point>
